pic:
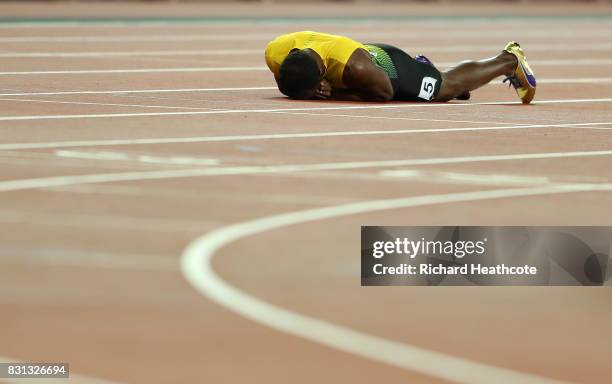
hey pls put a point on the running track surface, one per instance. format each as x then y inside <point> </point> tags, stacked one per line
<point>122,143</point>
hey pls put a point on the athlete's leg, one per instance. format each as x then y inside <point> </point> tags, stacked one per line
<point>469,75</point>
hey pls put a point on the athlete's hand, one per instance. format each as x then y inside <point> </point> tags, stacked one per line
<point>325,89</point>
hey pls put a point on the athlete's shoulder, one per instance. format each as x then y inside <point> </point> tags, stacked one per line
<point>279,48</point>
<point>281,43</point>
<point>360,63</point>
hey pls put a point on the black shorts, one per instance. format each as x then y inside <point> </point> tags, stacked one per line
<point>415,81</point>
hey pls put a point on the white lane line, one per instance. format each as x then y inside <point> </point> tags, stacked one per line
<point>74,378</point>
<point>197,268</point>
<point>176,160</point>
<point>107,104</point>
<point>393,118</point>
<point>550,63</point>
<point>139,70</point>
<point>206,69</point>
<point>61,181</point>
<point>528,48</point>
<point>231,89</point>
<point>92,155</point>
<point>218,109</point>
<point>37,159</point>
<point>277,136</point>
<point>127,71</point>
<point>196,194</point>
<point>581,22</point>
<point>250,52</point>
<point>465,178</point>
<point>93,54</point>
<point>217,35</point>
<point>324,108</point>
<point>204,36</point>
<point>244,52</point>
<point>140,91</point>
<point>171,160</point>
<point>427,176</point>
<point>225,52</point>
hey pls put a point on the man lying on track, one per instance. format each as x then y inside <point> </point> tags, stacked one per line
<point>310,65</point>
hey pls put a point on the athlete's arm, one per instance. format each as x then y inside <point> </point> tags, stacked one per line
<point>326,91</point>
<point>364,80</point>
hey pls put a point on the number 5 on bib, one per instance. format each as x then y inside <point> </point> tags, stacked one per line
<point>428,86</point>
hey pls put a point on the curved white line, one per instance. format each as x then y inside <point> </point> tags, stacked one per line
<point>196,264</point>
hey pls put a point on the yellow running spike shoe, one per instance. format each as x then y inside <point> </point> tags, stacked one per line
<point>523,79</point>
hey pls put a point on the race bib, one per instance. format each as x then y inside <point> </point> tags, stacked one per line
<point>428,86</point>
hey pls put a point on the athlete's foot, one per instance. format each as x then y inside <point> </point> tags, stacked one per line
<point>522,78</point>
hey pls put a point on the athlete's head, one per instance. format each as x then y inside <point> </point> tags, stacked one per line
<point>300,74</point>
